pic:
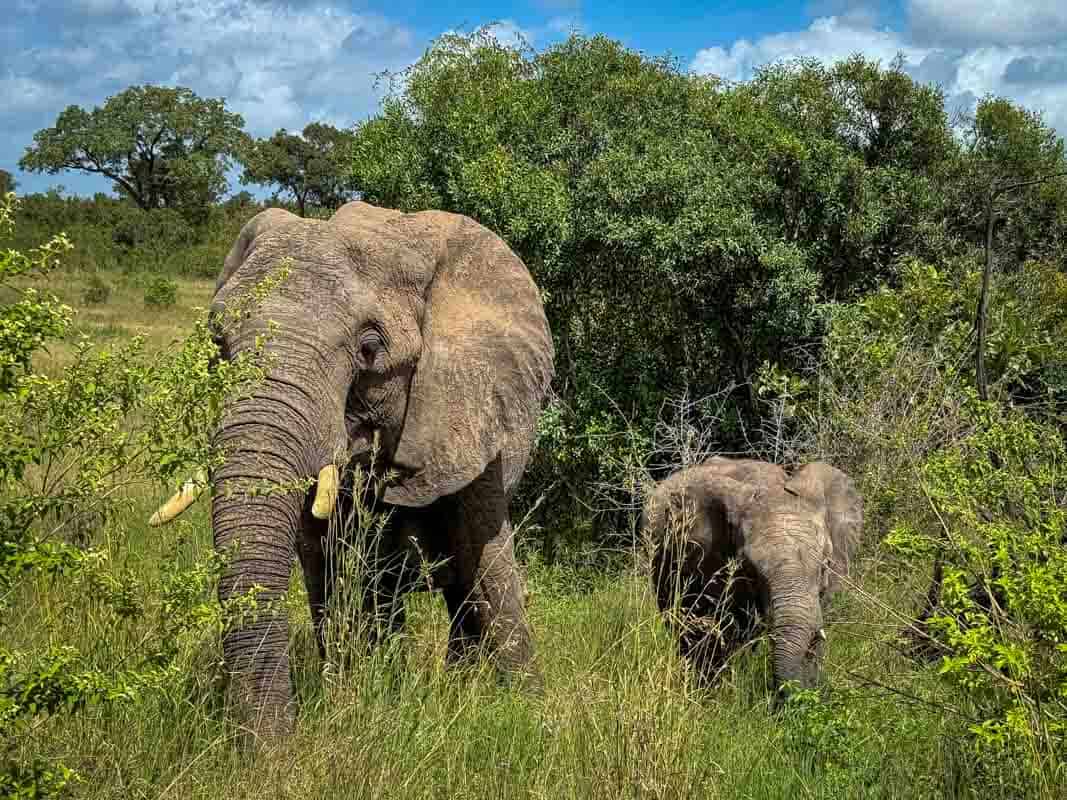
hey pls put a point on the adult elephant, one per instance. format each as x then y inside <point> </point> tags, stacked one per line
<point>422,332</point>
<point>791,538</point>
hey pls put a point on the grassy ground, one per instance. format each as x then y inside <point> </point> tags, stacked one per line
<point>619,716</point>
<point>125,313</point>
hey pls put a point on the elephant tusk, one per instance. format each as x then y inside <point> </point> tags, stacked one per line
<point>821,634</point>
<point>325,493</point>
<point>180,501</point>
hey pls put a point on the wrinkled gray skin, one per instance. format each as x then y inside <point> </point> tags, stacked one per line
<point>793,537</point>
<point>425,329</point>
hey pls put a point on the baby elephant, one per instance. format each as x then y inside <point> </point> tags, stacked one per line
<point>735,538</point>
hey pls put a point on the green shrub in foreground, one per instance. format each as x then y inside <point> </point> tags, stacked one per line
<point>1001,622</point>
<point>978,487</point>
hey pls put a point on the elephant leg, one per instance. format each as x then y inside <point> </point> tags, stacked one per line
<point>312,552</point>
<point>486,599</point>
<point>707,644</point>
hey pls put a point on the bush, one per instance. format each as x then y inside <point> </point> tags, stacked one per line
<point>160,293</point>
<point>114,235</point>
<point>96,290</point>
<point>977,487</point>
<point>1000,619</point>
<point>160,229</point>
<point>682,230</point>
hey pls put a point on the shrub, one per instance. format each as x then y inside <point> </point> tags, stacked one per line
<point>160,292</point>
<point>682,230</point>
<point>976,486</point>
<point>1000,619</point>
<point>96,291</point>
<point>159,229</point>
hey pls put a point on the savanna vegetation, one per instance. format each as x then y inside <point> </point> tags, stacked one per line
<point>822,262</point>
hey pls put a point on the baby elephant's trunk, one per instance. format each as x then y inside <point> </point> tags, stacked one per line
<point>795,626</point>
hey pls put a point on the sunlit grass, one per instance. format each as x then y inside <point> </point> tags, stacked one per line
<point>619,716</point>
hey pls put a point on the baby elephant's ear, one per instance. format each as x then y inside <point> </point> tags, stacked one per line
<point>844,513</point>
<point>486,364</point>
<point>726,501</point>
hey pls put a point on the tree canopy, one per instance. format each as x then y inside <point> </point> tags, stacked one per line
<point>309,165</point>
<point>684,230</point>
<point>163,147</point>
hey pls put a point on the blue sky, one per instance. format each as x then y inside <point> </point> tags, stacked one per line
<point>284,63</point>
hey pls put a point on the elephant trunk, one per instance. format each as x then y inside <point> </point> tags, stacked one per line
<point>795,622</point>
<point>270,440</point>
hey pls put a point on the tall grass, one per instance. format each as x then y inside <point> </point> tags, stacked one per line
<point>619,716</point>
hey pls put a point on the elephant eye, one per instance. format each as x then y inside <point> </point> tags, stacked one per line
<point>370,343</point>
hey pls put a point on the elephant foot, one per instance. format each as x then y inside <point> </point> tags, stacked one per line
<point>259,729</point>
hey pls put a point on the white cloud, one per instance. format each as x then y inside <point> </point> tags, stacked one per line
<point>279,63</point>
<point>969,23</point>
<point>22,94</point>
<point>506,32</point>
<point>509,34</point>
<point>827,39</point>
<point>1034,76</point>
<point>266,57</point>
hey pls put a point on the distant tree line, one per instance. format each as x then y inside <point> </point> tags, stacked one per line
<point>167,148</point>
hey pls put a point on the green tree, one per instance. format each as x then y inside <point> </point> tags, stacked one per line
<point>309,165</point>
<point>162,146</point>
<point>1016,165</point>
<point>682,230</point>
<point>8,183</point>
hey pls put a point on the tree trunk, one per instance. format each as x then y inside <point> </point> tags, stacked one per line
<point>983,301</point>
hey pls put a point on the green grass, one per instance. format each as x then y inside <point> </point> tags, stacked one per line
<point>619,716</point>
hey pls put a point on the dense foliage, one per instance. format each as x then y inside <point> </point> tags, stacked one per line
<point>685,231</point>
<point>975,487</point>
<point>116,236</point>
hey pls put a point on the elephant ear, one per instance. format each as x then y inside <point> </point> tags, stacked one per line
<point>486,364</point>
<point>693,515</point>
<point>258,225</point>
<point>844,513</point>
